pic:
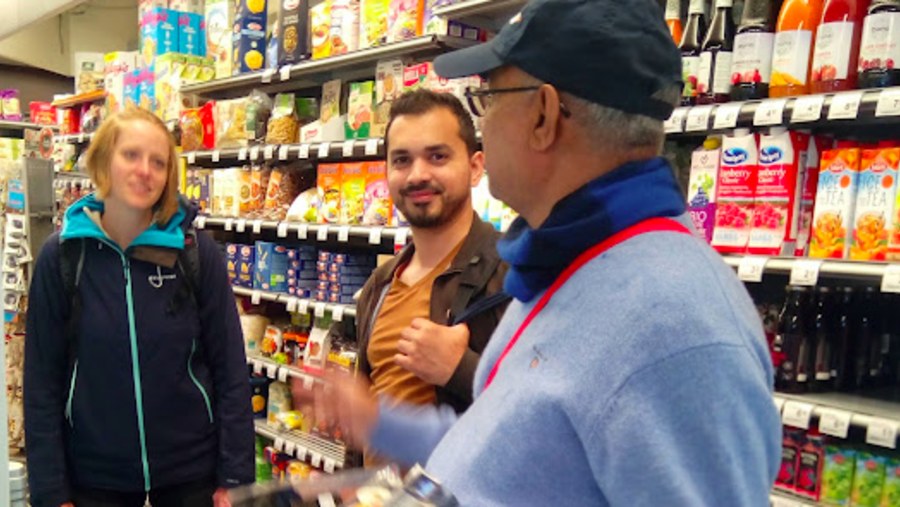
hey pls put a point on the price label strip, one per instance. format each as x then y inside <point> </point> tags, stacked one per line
<point>727,116</point>
<point>371,147</point>
<point>303,152</point>
<point>698,119</point>
<point>255,297</point>
<point>751,268</point>
<point>845,106</point>
<point>269,152</point>
<point>283,152</point>
<point>347,150</point>
<point>322,233</point>
<point>834,422</point>
<point>242,154</point>
<point>240,225</point>
<point>890,281</point>
<point>254,153</point>
<point>675,123</point>
<point>302,231</point>
<point>337,313</point>
<point>290,447</point>
<point>229,224</point>
<point>882,432</point>
<point>888,103</point>
<point>279,444</point>
<point>324,150</point>
<point>797,414</point>
<point>257,367</point>
<point>807,109</point>
<point>272,371</point>
<point>375,236</point>
<point>320,310</point>
<point>779,403</point>
<point>291,304</point>
<point>303,306</point>
<point>328,466</point>
<point>216,155</point>
<point>805,272</point>
<point>283,377</point>
<point>191,157</point>
<point>285,73</point>
<point>201,222</point>
<point>282,229</point>
<point>257,226</point>
<point>769,112</point>
<point>344,234</point>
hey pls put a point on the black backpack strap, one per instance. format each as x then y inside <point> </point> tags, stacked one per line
<point>480,307</point>
<point>188,266</point>
<point>71,263</point>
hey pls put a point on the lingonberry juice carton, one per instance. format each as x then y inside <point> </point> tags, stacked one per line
<point>835,202</point>
<point>737,187</point>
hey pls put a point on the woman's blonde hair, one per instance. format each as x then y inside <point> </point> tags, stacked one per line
<point>100,152</point>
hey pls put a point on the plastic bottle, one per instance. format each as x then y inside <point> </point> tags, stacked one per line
<point>879,49</point>
<point>837,46</point>
<point>795,32</point>
<point>752,66</point>
<point>673,19</point>
<point>714,77</point>
<point>691,46</point>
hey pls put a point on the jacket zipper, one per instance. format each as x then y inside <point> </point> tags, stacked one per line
<point>197,382</point>
<point>71,395</point>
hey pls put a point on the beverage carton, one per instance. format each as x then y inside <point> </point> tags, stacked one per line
<point>869,480</point>
<point>378,204</point>
<point>353,192</point>
<point>812,459</point>
<point>737,186</point>
<point>702,187</point>
<point>875,195</point>
<point>890,495</point>
<point>776,204</point>
<point>219,16</point>
<point>835,200</point>
<point>837,475</point>
<point>809,178</point>
<point>786,480</point>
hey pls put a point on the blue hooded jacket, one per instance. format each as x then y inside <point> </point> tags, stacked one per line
<point>157,396</point>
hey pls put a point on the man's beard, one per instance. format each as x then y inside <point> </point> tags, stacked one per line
<point>420,217</point>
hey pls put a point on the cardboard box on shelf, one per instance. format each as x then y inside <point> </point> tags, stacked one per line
<point>192,6</point>
<point>293,23</point>
<point>219,17</point>
<point>320,30</point>
<point>191,34</point>
<point>167,74</point>
<point>145,6</point>
<point>117,67</point>
<point>249,38</point>
<point>159,34</point>
<point>88,72</point>
<point>373,23</point>
<point>405,19</point>
<point>344,26</point>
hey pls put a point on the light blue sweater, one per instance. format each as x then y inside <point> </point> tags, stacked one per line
<point>645,381</point>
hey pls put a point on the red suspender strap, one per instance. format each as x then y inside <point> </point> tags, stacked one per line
<point>650,225</point>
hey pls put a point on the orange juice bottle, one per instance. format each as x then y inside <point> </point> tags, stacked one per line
<point>673,19</point>
<point>794,35</point>
<point>837,46</point>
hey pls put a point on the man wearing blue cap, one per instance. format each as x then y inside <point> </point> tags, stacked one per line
<point>631,367</point>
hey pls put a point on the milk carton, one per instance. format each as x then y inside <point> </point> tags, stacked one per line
<point>737,187</point>
<point>702,187</point>
<point>875,195</point>
<point>835,200</point>
<point>776,205</point>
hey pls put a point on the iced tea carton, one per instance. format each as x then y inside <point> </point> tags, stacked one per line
<point>835,201</point>
<point>809,181</point>
<point>702,187</point>
<point>875,195</point>
<point>776,204</point>
<point>737,187</point>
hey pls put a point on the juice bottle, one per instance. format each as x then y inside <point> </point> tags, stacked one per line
<point>673,19</point>
<point>714,77</point>
<point>879,49</point>
<point>792,56</point>
<point>837,46</point>
<point>753,45</point>
<point>691,46</point>
<point>792,333</point>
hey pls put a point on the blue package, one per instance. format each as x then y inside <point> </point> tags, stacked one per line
<point>246,266</point>
<point>231,261</point>
<point>159,34</point>
<point>191,34</point>
<point>271,267</point>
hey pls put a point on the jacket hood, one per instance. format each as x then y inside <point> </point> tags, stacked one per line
<point>81,221</point>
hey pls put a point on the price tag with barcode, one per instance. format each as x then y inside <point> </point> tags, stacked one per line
<point>282,230</point>
<point>320,310</point>
<point>257,226</point>
<point>283,152</point>
<point>272,371</point>
<point>267,75</point>
<point>216,155</point>
<point>255,297</point>
<point>290,447</point>
<point>890,281</point>
<point>371,147</point>
<point>301,452</point>
<point>844,106</point>
<point>285,72</point>
<point>303,306</point>
<point>400,236</point>
<point>201,222</point>
<point>375,236</point>
<point>279,444</point>
<point>315,459</point>
<point>322,233</point>
<point>229,224</point>
<point>242,154</point>
<point>191,157</point>
<point>344,234</point>
<point>291,304</point>
<point>797,414</point>
<point>698,118</point>
<point>882,432</point>
<point>807,109</point>
<point>302,231</point>
<point>254,153</point>
<point>324,150</point>
<point>751,268</point>
<point>834,422</point>
<point>328,466</point>
<point>257,367</point>
<point>769,112</point>
<point>888,102</point>
<point>805,272</point>
<point>727,116</point>
<point>269,152</point>
<point>283,374</point>
<point>308,382</point>
<point>303,152</point>
<point>337,313</point>
<point>675,123</point>
<point>325,499</point>
<point>240,225</point>
<point>347,150</point>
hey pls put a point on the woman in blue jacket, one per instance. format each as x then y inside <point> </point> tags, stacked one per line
<point>133,388</point>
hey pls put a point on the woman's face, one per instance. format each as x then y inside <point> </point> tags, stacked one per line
<point>139,166</point>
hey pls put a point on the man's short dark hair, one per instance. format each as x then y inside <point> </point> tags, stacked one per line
<point>421,101</point>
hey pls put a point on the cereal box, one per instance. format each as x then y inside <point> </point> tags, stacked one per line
<point>159,35</point>
<point>868,483</point>
<point>837,475</point>
<point>420,75</point>
<point>329,187</point>
<point>147,90</point>
<point>145,6</point>
<point>378,204</point>
<point>890,495</point>
<point>359,110</point>
<point>249,39</point>
<point>331,101</point>
<point>219,26</point>
<point>835,199</point>
<point>344,26</point>
<point>167,82</point>
<point>776,203</point>
<point>192,6</point>
<point>191,34</point>
<point>737,187</point>
<point>702,187</point>
<point>373,26</point>
<point>405,19</point>
<point>353,192</point>
<point>116,66</point>
<point>320,30</point>
<point>875,195</point>
<point>130,88</point>
<point>293,23</point>
<point>88,72</point>
<point>388,86</point>
<point>809,177</point>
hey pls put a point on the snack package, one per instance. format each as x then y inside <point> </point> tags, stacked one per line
<point>284,128</point>
<point>353,192</point>
<point>91,117</point>
<point>259,185</point>
<point>344,26</point>
<point>331,101</point>
<point>191,130</point>
<point>405,19</point>
<point>259,396</point>
<point>786,479</point>
<point>316,353</point>
<point>835,198</point>
<point>279,401</point>
<point>875,195</point>
<point>378,204</point>
<point>320,30</point>
<point>10,107</point>
<point>812,459</point>
<point>373,26</point>
<point>249,40</point>
<point>293,30</point>
<point>329,187</point>
<point>284,186</point>
<point>219,26</point>
<point>240,121</point>
<point>359,111</point>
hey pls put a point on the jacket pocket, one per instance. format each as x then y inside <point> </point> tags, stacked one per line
<point>71,396</point>
<point>197,383</point>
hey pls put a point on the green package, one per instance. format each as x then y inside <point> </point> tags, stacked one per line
<point>869,480</point>
<point>890,497</point>
<point>837,475</point>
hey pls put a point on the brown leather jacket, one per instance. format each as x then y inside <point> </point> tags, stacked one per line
<point>475,273</point>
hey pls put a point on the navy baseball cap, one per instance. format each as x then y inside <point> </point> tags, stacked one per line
<point>616,53</point>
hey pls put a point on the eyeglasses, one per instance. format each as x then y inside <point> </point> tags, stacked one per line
<point>479,100</point>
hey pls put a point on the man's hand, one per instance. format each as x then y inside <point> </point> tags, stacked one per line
<point>345,400</point>
<point>221,498</point>
<point>431,351</point>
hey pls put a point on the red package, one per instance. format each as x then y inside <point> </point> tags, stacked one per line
<point>69,119</point>
<point>42,113</point>
<point>207,115</point>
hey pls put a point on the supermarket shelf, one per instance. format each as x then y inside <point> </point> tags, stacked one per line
<point>483,13</point>
<point>872,271</point>
<point>355,65</point>
<point>354,149</point>
<point>867,115</point>
<point>307,448</point>
<point>73,138</point>
<point>84,98</point>
<point>313,231</point>
<point>22,125</point>
<point>879,407</point>
<point>782,499</point>
<point>338,311</point>
<point>274,370</point>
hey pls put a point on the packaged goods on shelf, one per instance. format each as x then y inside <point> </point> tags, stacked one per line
<point>702,187</point>
<point>875,196</point>
<point>167,74</point>
<point>272,263</point>
<point>284,186</point>
<point>198,127</point>
<point>320,29</point>
<point>146,89</point>
<point>353,192</point>
<point>388,87</point>
<point>378,204</point>
<point>868,480</point>
<point>253,327</point>
<point>344,26</point>
<point>192,6</point>
<point>42,113</point>
<point>220,19</point>
<point>809,185</point>
<point>331,101</point>
<point>837,475</point>
<point>284,126</point>
<point>246,204</point>
<point>359,110</point>
<point>259,185</point>
<point>191,33</point>
<point>737,187</point>
<point>832,230</point>
<point>116,66</point>
<point>10,107</point>
<point>145,6</point>
<point>130,89</point>
<point>305,207</point>
<point>293,30</point>
<point>329,187</point>
<point>241,121</point>
<point>159,34</point>
<point>373,26</point>
<point>405,19</point>
<point>249,42</point>
<point>88,72</point>
<point>419,75</point>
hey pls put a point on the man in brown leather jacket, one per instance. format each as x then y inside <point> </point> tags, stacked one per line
<point>410,348</point>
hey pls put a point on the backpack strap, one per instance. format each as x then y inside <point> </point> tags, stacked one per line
<point>188,266</point>
<point>71,263</point>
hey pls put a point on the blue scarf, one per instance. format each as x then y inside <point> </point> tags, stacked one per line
<point>617,200</point>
